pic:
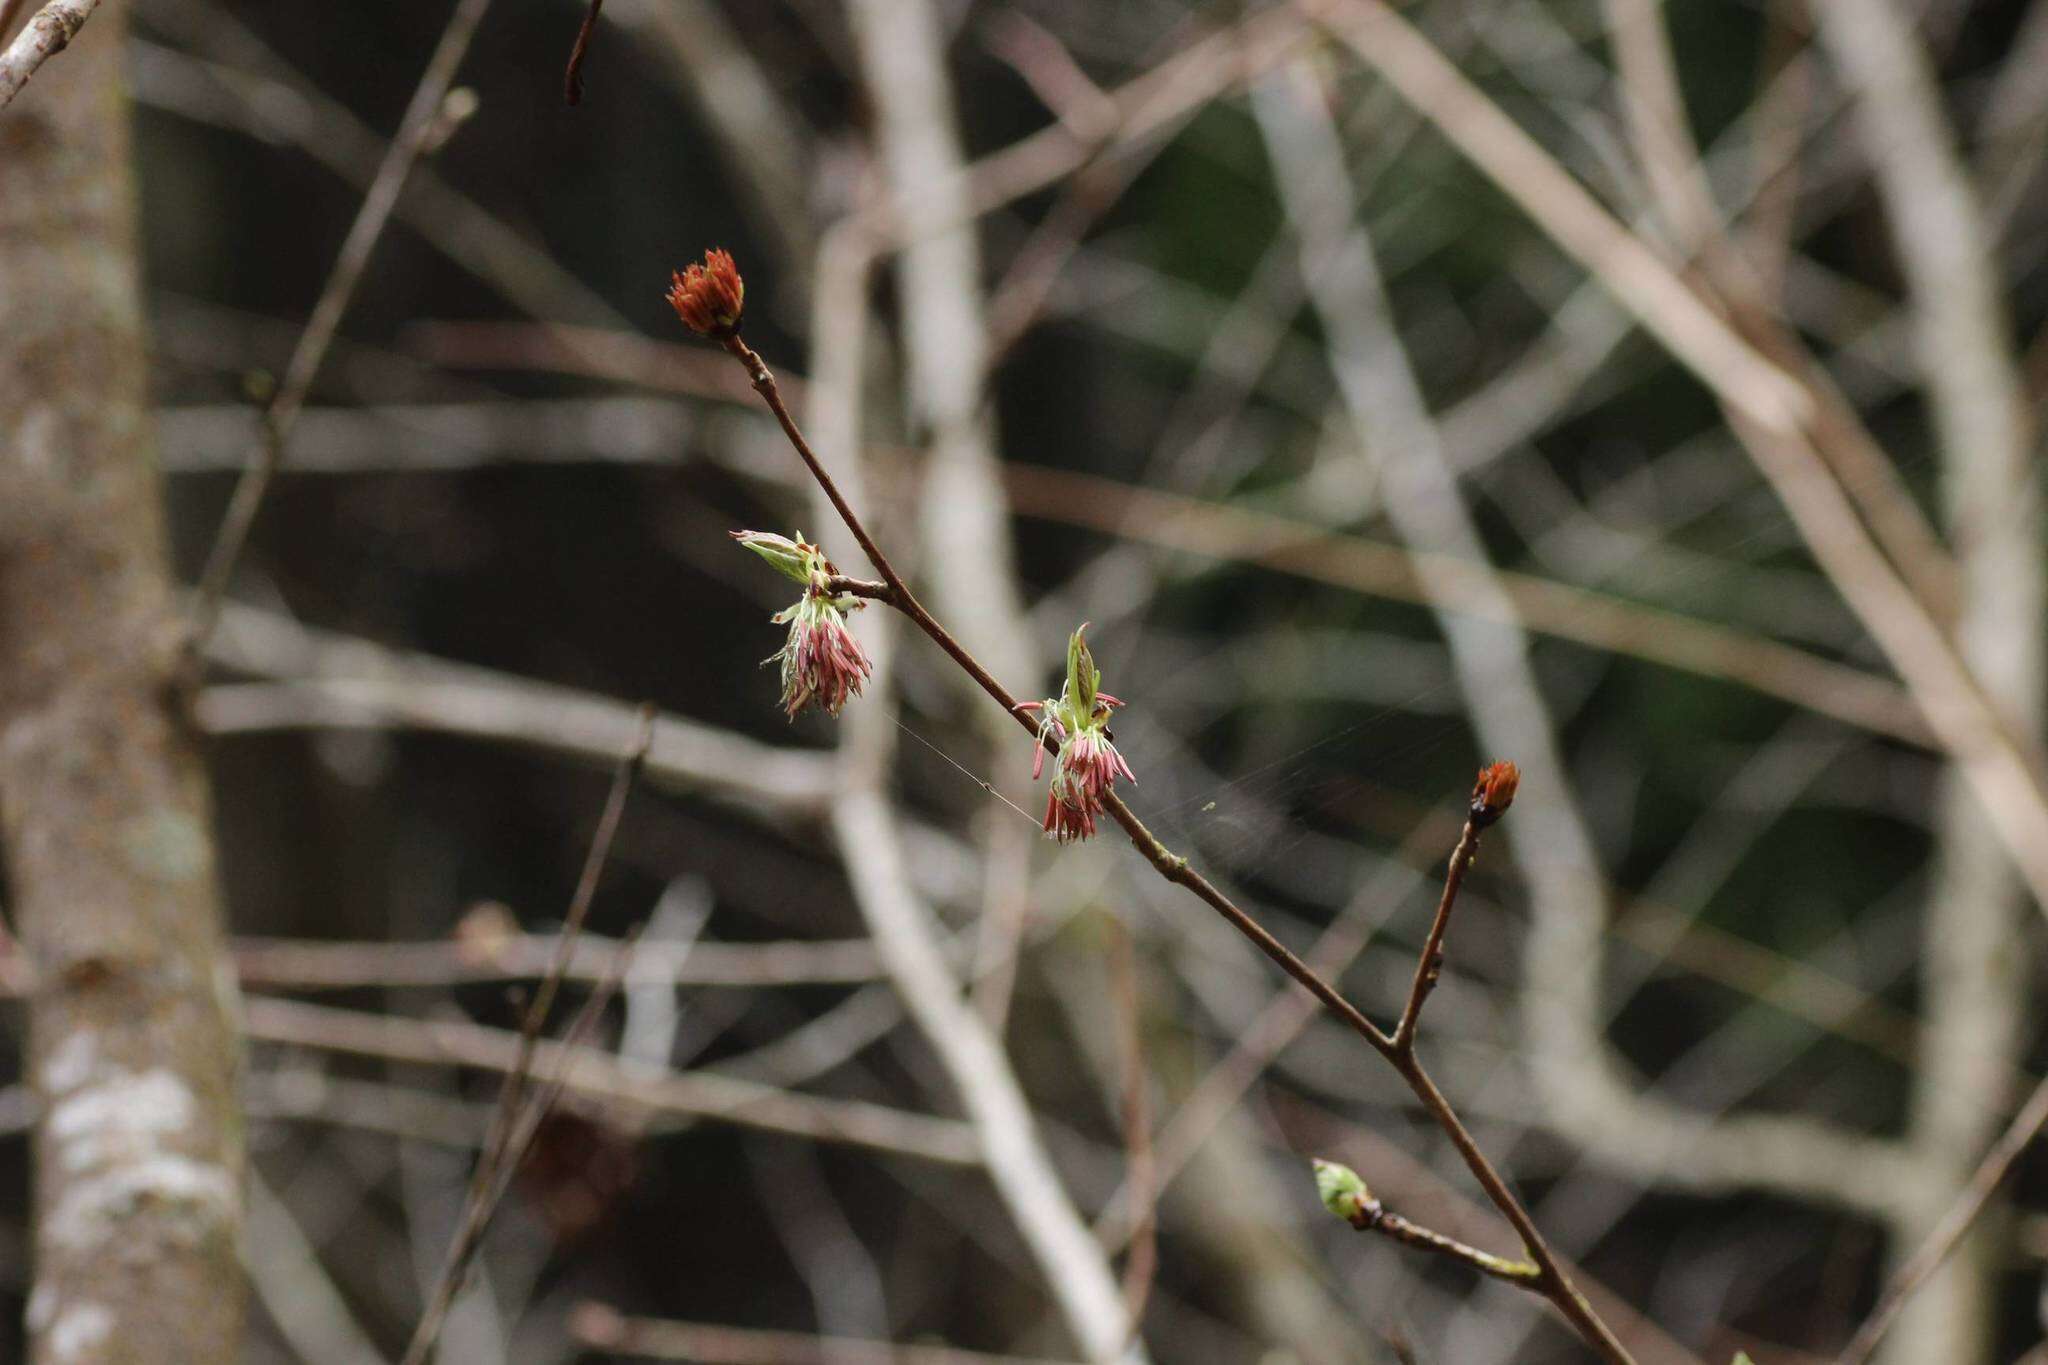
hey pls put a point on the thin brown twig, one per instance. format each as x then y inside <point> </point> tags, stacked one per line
<point>1429,964</point>
<point>500,1146</point>
<point>1554,1283</point>
<point>1285,1014</point>
<point>1369,1215</point>
<point>1552,1280</point>
<point>892,590</point>
<point>1991,1172</point>
<point>416,131</point>
<point>271,98</point>
<point>574,1038</point>
<point>1175,869</point>
<point>1304,1124</point>
<point>572,78</point>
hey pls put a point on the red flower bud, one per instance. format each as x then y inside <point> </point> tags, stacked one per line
<point>709,298</point>
<point>1494,792</point>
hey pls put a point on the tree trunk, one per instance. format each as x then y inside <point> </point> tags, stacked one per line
<point>104,822</point>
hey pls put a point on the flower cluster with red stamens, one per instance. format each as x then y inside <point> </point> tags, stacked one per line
<point>709,298</point>
<point>1087,761</point>
<point>822,662</point>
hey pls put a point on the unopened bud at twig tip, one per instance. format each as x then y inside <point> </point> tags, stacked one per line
<point>1494,792</point>
<point>709,298</point>
<point>1342,1190</point>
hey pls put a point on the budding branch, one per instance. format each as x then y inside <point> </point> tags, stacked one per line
<point>708,298</point>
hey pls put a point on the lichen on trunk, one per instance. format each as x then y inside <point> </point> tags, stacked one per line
<point>104,817</point>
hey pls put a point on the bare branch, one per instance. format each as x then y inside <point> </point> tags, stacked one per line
<point>761,137</point>
<point>1347,1197</point>
<point>284,1266</point>
<point>1657,122</point>
<point>47,34</point>
<point>1767,407</point>
<point>1018,1166</point>
<point>1139,1182</point>
<point>1283,1017</point>
<point>511,1127</point>
<point>1991,1172</point>
<point>1973,1003</point>
<point>1411,574</point>
<point>1429,963</point>
<point>339,681</point>
<point>267,98</point>
<point>863,853</point>
<point>964,523</point>
<point>297,964</point>
<point>603,1328</point>
<point>601,1076</point>
<point>1750,382</point>
<point>414,134</point>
